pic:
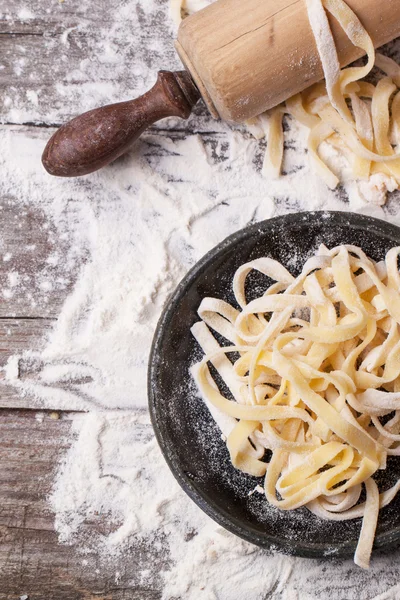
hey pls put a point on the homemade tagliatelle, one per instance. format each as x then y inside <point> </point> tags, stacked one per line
<point>312,366</point>
<point>359,120</point>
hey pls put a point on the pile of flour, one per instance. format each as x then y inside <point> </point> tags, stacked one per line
<point>139,226</point>
<point>130,233</point>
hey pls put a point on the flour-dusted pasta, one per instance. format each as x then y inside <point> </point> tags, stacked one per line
<point>362,124</point>
<point>317,364</point>
<point>356,117</point>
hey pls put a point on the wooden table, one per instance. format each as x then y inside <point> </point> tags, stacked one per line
<point>53,49</point>
<point>44,44</point>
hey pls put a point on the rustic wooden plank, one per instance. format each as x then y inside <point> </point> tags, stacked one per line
<point>18,336</point>
<point>77,50</point>
<point>35,270</point>
<point>54,64</point>
<point>32,561</point>
<point>35,18</point>
<point>34,278</point>
<point>55,61</point>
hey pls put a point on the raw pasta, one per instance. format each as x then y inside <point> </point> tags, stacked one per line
<point>343,111</point>
<point>365,129</point>
<point>317,364</point>
<point>182,8</point>
<point>175,9</point>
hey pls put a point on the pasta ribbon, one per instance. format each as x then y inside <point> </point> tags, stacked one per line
<point>359,119</point>
<point>317,363</point>
<point>362,129</point>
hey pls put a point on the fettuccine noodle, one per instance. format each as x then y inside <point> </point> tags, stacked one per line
<point>311,367</point>
<point>345,109</point>
<point>357,117</point>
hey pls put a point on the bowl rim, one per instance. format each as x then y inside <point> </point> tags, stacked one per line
<point>222,517</point>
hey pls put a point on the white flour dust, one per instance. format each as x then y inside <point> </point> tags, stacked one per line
<point>128,234</point>
<point>140,225</point>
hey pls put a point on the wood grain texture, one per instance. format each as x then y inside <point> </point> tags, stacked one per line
<point>32,562</point>
<point>31,248</point>
<point>75,49</point>
<point>57,55</point>
<point>18,336</point>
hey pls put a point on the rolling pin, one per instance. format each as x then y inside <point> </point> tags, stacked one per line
<point>241,56</point>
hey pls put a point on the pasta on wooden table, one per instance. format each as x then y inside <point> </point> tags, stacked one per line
<point>317,363</point>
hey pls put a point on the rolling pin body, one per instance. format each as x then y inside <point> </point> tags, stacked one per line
<point>245,56</point>
<point>248,56</point>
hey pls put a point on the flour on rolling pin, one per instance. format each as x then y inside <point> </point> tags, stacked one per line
<point>247,57</point>
<point>312,106</point>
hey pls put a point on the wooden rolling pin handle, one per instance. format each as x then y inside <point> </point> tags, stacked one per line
<point>96,138</point>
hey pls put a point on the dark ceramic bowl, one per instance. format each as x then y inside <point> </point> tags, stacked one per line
<point>189,438</point>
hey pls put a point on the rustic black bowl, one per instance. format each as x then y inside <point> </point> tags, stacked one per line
<point>189,438</point>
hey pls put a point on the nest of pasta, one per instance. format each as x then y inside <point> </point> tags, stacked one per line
<point>313,369</point>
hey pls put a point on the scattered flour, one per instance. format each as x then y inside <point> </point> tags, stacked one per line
<point>139,225</point>
<point>128,234</point>
<point>25,14</point>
